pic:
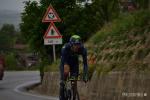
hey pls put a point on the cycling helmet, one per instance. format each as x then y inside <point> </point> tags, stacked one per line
<point>75,39</point>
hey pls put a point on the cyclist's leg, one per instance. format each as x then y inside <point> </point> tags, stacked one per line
<point>66,71</point>
<point>63,79</point>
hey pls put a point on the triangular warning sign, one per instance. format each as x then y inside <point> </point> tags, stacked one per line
<point>51,15</point>
<point>52,32</point>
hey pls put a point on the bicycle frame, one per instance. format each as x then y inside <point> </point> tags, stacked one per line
<point>71,91</point>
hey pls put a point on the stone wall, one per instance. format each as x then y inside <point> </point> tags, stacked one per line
<point>120,86</point>
<point>50,84</point>
<point>111,86</point>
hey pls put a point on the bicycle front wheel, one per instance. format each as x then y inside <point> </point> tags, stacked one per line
<point>75,95</point>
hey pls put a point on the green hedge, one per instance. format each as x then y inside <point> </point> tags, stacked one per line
<point>11,62</point>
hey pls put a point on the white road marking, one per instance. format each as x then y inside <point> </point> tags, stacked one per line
<point>21,89</point>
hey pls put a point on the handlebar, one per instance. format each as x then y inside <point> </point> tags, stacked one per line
<point>73,78</point>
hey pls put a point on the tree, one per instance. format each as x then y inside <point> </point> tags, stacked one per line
<point>33,29</point>
<point>142,4</point>
<point>84,21</point>
<point>7,33</point>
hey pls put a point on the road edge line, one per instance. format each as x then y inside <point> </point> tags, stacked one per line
<point>22,89</point>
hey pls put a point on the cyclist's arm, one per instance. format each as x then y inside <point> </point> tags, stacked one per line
<point>64,60</point>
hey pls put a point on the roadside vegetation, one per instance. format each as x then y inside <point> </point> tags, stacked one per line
<point>14,49</point>
<point>8,37</point>
<point>122,45</point>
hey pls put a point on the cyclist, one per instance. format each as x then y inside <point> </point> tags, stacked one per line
<point>70,63</point>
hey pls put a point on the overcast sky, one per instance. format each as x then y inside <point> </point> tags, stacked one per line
<point>10,11</point>
<point>16,5</point>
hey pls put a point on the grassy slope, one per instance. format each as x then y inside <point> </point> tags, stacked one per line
<point>123,44</point>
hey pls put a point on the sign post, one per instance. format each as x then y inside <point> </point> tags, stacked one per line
<point>52,35</point>
<point>54,52</point>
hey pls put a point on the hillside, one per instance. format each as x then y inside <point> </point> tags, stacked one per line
<point>123,44</point>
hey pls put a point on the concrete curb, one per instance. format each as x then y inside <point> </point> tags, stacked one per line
<point>22,89</point>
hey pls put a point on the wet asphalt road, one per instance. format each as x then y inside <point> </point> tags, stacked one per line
<point>13,82</point>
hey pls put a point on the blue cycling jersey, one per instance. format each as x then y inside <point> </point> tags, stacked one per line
<point>72,59</point>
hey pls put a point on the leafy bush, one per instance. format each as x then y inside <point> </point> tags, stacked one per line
<point>52,67</point>
<point>116,55</point>
<point>141,18</point>
<point>129,54</point>
<point>141,53</point>
<point>11,62</point>
<point>92,68</point>
<point>99,57</point>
